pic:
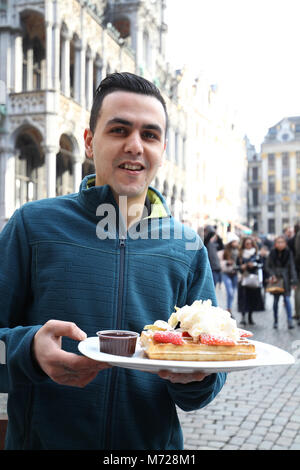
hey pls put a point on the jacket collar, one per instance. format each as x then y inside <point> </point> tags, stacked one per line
<point>92,196</point>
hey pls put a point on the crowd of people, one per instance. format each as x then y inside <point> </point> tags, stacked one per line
<point>250,267</point>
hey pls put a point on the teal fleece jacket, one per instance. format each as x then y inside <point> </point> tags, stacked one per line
<point>64,258</point>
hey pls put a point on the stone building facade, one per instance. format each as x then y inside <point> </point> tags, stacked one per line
<point>280,167</point>
<point>54,53</point>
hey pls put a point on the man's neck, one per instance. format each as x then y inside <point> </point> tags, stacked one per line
<point>131,208</point>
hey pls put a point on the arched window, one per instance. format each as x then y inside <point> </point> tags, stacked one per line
<point>28,160</point>
<point>33,51</point>
<point>64,167</point>
<point>123,26</point>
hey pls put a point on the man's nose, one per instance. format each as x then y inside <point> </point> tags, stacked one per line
<point>134,144</point>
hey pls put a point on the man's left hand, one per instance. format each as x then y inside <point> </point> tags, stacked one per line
<point>182,378</point>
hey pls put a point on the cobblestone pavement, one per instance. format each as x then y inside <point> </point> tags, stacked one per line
<point>257,408</point>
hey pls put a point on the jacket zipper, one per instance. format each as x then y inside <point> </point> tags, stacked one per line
<point>114,371</point>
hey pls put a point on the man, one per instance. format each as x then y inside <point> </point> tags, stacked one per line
<point>94,260</point>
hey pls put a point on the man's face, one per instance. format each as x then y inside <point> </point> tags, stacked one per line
<point>128,143</point>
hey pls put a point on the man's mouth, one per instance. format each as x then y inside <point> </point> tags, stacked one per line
<point>131,166</point>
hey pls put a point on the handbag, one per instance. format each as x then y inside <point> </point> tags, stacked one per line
<point>275,287</point>
<point>251,280</point>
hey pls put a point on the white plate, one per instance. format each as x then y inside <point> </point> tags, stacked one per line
<point>266,355</point>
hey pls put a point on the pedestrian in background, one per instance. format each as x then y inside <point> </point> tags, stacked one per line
<point>210,241</point>
<point>280,264</point>
<point>292,242</point>
<point>228,258</point>
<point>249,287</point>
<point>297,266</point>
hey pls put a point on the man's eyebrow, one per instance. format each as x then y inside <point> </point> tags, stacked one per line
<point>117,120</point>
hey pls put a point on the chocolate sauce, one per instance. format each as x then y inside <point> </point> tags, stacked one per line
<point>120,343</point>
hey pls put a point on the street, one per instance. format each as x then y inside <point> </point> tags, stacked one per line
<point>257,408</point>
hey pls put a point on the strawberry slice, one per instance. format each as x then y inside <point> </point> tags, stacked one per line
<point>245,333</point>
<point>185,334</point>
<point>168,337</point>
<point>216,340</point>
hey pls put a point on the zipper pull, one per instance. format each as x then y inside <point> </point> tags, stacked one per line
<point>122,242</point>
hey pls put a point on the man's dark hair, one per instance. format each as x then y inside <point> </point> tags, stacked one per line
<point>124,81</point>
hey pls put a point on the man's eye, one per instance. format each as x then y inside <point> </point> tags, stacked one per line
<point>118,130</point>
<point>150,135</point>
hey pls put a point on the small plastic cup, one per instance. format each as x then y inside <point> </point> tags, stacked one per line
<point>118,342</point>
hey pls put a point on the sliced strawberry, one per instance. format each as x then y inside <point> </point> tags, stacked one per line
<point>216,340</point>
<point>185,334</point>
<point>245,333</point>
<point>168,337</point>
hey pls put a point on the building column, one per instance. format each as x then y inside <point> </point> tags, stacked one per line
<point>77,71</point>
<point>18,63</point>
<point>50,160</point>
<point>49,55</point>
<point>56,56</point>
<point>89,80</point>
<point>99,66</point>
<point>65,65</point>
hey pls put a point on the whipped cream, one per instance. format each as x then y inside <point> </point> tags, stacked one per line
<point>201,317</point>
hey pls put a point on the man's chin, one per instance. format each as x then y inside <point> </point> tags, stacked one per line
<point>130,192</point>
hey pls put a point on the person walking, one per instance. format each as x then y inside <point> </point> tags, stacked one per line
<point>228,258</point>
<point>280,265</point>
<point>210,241</point>
<point>297,266</point>
<point>249,287</point>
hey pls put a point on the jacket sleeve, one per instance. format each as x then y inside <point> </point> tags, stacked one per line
<point>15,297</point>
<point>195,395</point>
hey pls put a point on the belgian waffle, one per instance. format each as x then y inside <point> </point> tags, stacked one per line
<point>192,351</point>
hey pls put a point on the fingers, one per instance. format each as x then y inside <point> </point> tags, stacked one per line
<point>181,377</point>
<point>63,367</point>
<point>64,328</point>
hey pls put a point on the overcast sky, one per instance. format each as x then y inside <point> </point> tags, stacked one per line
<point>250,46</point>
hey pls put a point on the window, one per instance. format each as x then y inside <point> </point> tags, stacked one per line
<point>271,208</point>
<point>64,167</point>
<point>285,207</point>
<point>285,222</point>
<point>285,164</point>
<point>27,162</point>
<point>285,186</point>
<point>255,197</point>
<point>255,173</point>
<point>271,161</point>
<point>271,187</point>
<point>271,226</point>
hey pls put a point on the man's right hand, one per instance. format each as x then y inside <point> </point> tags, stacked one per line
<point>63,367</point>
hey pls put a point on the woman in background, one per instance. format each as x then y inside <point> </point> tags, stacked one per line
<point>280,264</point>
<point>249,296</point>
<point>229,267</point>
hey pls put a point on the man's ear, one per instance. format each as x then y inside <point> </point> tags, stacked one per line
<point>88,141</point>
